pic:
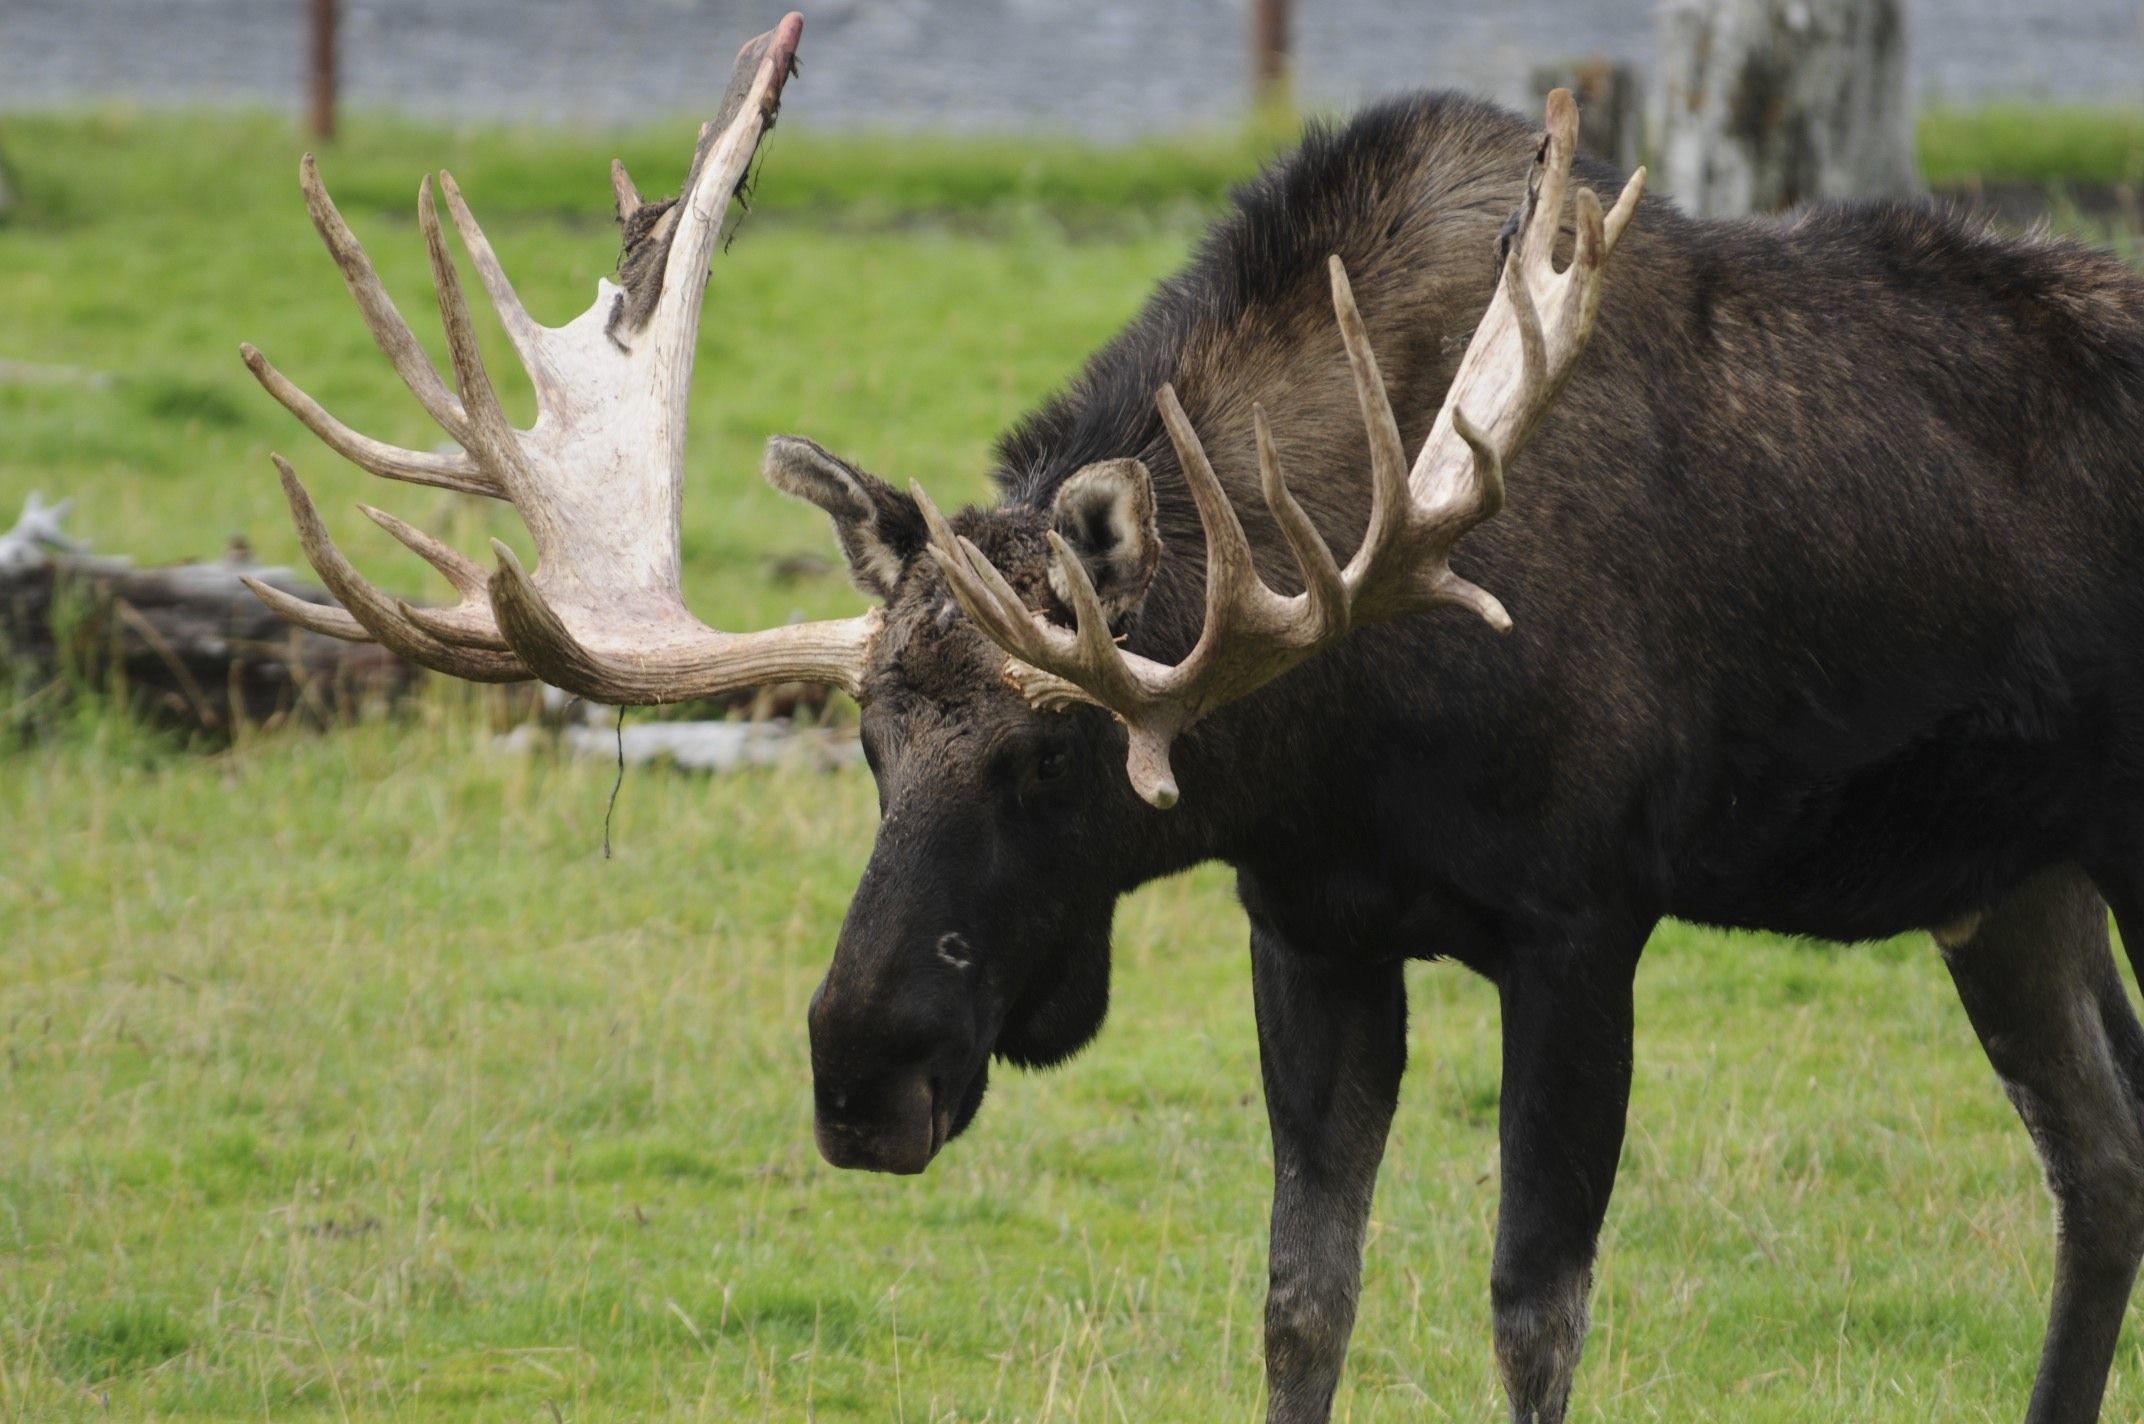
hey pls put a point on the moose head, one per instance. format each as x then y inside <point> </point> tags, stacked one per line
<point>997,698</point>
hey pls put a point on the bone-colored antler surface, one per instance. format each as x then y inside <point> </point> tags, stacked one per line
<point>1523,349</point>
<point>598,478</point>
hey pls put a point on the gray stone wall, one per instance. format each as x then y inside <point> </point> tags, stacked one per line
<point>1103,68</point>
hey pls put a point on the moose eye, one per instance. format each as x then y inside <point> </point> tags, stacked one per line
<point>1052,765</point>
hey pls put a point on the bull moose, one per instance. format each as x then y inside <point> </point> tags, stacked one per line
<point>1814,604</point>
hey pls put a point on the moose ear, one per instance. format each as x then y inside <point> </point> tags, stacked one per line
<point>879,527</point>
<point>1105,511</point>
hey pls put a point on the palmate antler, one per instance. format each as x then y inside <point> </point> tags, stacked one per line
<point>1536,325</point>
<point>599,477</point>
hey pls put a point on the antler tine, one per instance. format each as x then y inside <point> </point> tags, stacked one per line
<point>380,614</point>
<point>1231,576</point>
<point>465,625</point>
<point>621,186</point>
<point>942,537</point>
<point>1048,665</point>
<point>978,602</point>
<point>718,167</point>
<point>316,617</point>
<point>1003,613</point>
<point>465,573</point>
<point>1551,179</point>
<point>470,623</point>
<point>1586,263</point>
<point>1591,235</point>
<point>521,329</point>
<point>1488,467</point>
<point>382,318</point>
<point>531,626</point>
<point>1533,344</point>
<point>1003,597</point>
<point>1488,499</point>
<point>1323,587</point>
<point>1388,457</point>
<point>489,434</point>
<point>454,471</point>
<point>1395,514</point>
<point>1097,646</point>
<point>1619,216</point>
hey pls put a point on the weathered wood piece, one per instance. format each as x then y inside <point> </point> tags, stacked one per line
<point>710,746</point>
<point>1769,103</point>
<point>187,643</point>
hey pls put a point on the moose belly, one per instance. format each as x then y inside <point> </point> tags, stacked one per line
<point>1938,829</point>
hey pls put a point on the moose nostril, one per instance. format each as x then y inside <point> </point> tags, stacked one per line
<point>953,949</point>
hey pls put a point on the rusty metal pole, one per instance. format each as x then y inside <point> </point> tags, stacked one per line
<point>321,67</point>
<point>1269,47</point>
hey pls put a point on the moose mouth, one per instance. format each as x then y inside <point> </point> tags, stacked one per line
<point>911,1124</point>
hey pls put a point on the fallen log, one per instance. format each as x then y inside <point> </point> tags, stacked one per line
<point>185,643</point>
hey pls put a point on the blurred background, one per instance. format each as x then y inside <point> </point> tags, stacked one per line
<point>1102,69</point>
<point>359,1057</point>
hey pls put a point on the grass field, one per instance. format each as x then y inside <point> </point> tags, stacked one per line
<point>2034,143</point>
<point>344,1078</point>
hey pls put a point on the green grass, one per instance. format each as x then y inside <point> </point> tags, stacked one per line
<point>2031,143</point>
<point>341,1077</point>
<point>342,1074</point>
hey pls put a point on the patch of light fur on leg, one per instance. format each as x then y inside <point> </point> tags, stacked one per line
<point>1537,1350</point>
<point>1311,1296</point>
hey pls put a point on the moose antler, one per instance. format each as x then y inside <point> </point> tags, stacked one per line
<point>598,479</point>
<point>1536,325</point>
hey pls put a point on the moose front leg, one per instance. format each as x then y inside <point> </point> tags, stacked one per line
<point>1332,1041</point>
<point>1567,1037</point>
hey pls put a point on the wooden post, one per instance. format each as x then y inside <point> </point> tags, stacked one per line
<point>322,69</point>
<point>1269,48</point>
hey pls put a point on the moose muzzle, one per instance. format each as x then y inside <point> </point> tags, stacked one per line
<point>894,1126</point>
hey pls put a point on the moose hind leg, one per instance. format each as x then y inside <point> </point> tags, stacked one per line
<point>2037,978</point>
